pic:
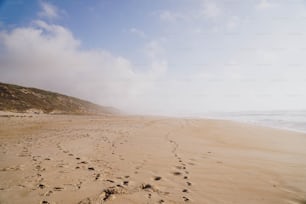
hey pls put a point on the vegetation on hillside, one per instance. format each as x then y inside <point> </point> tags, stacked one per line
<point>23,99</point>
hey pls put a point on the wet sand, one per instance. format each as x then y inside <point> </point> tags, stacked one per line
<point>121,159</point>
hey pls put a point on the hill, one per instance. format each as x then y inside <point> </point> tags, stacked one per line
<point>23,99</point>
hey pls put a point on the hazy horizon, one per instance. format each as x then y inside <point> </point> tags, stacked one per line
<point>169,57</point>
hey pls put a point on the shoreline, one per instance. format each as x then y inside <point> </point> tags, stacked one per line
<point>258,124</point>
<point>251,123</point>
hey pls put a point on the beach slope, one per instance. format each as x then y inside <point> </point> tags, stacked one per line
<point>125,159</point>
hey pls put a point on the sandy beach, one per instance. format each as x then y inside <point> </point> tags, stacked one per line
<point>133,159</point>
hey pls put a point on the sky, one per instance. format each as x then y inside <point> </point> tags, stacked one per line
<point>170,57</point>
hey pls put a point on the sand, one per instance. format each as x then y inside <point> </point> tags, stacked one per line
<point>121,159</point>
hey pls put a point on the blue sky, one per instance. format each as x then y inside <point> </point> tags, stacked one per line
<point>161,56</point>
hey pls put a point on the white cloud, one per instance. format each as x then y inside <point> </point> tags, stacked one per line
<point>156,52</point>
<point>233,22</point>
<point>48,10</point>
<point>48,56</point>
<point>137,32</point>
<point>154,49</point>
<point>171,16</point>
<point>211,9</point>
<point>203,9</point>
<point>264,4</point>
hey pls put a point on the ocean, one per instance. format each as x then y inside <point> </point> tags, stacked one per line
<point>288,120</point>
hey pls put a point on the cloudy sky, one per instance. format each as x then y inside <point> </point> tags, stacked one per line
<point>159,56</point>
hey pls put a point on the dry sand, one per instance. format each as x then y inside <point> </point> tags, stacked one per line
<point>95,159</point>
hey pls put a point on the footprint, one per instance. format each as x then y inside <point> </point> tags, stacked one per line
<point>91,168</point>
<point>107,193</point>
<point>58,188</point>
<point>48,193</point>
<point>85,201</point>
<point>97,176</point>
<point>41,186</point>
<point>146,186</point>
<point>180,167</point>
<point>185,199</point>
<point>157,178</point>
<point>188,183</point>
<point>78,185</point>
<point>185,191</point>
<point>176,173</point>
<point>126,183</point>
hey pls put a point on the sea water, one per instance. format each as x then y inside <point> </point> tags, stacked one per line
<point>289,120</point>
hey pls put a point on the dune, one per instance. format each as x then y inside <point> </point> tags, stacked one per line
<point>15,98</point>
<point>132,159</point>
